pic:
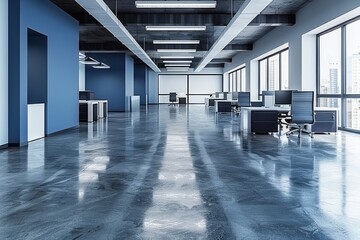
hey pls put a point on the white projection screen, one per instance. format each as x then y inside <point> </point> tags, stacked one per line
<point>171,83</point>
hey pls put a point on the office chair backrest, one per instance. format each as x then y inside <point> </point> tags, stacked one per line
<point>244,99</point>
<point>172,97</point>
<point>267,93</point>
<point>302,107</point>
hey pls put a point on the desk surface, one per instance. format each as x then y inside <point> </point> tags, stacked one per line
<point>282,109</point>
<point>224,100</point>
<point>286,108</point>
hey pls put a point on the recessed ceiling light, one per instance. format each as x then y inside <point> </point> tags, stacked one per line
<point>176,41</point>
<point>177,64</point>
<point>176,57</point>
<point>175,28</point>
<point>175,4</point>
<point>177,61</point>
<point>176,50</point>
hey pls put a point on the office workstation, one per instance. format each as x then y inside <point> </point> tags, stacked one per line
<point>179,119</point>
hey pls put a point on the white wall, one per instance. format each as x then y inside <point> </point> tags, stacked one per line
<point>315,17</point>
<point>81,77</point>
<point>3,72</point>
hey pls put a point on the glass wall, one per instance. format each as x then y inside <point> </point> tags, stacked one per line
<point>339,72</point>
<point>274,72</point>
<point>194,87</point>
<point>237,80</point>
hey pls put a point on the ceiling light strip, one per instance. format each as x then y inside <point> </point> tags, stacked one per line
<point>173,28</point>
<point>177,61</point>
<point>177,57</point>
<point>176,41</point>
<point>176,50</point>
<point>178,65</point>
<point>103,14</point>
<point>247,12</point>
<point>175,4</point>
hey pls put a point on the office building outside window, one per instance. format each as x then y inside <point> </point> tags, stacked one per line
<point>274,72</point>
<point>237,80</point>
<point>339,65</point>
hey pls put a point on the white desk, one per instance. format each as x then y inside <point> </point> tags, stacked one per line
<point>228,108</point>
<point>210,101</point>
<point>245,118</point>
<point>102,107</point>
<point>325,119</point>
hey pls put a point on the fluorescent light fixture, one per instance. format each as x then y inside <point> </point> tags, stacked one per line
<point>178,70</point>
<point>101,66</point>
<point>176,50</point>
<point>89,61</point>
<point>177,64</point>
<point>177,61</point>
<point>176,41</point>
<point>175,4</point>
<point>175,28</point>
<point>177,57</point>
<point>105,16</point>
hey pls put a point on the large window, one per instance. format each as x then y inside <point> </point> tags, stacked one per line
<point>237,80</point>
<point>274,72</point>
<point>339,72</point>
<point>194,87</point>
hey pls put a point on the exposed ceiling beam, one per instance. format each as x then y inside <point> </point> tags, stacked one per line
<point>103,14</point>
<point>247,12</point>
<point>215,19</point>
<point>239,47</point>
<point>221,60</point>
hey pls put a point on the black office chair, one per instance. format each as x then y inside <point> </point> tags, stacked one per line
<point>302,112</point>
<point>172,98</point>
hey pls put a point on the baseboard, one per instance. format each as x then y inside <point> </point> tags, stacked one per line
<point>4,146</point>
<point>24,144</point>
<point>62,131</point>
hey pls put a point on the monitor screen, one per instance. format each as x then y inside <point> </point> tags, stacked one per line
<point>283,97</point>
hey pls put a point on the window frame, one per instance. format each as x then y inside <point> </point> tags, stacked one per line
<point>234,74</point>
<point>267,70</point>
<point>343,96</point>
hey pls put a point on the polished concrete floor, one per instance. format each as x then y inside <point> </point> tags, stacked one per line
<point>180,173</point>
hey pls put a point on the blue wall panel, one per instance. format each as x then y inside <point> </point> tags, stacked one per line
<point>108,83</point>
<point>140,79</point>
<point>63,40</point>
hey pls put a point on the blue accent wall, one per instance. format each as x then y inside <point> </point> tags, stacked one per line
<point>115,84</point>
<point>140,79</point>
<point>108,83</point>
<point>62,32</point>
<point>129,80</point>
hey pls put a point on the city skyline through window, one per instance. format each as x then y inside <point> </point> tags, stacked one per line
<point>334,65</point>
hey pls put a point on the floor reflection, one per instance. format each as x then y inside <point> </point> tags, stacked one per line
<point>177,205</point>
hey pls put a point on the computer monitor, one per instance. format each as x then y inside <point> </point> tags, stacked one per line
<point>283,97</point>
<point>266,93</point>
